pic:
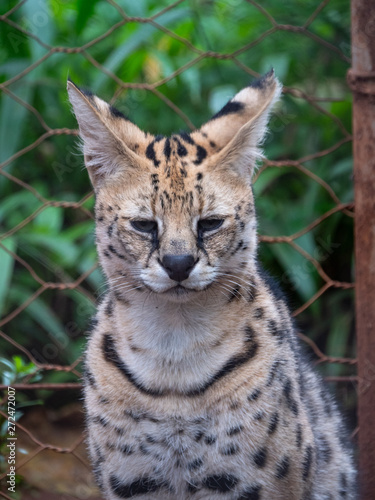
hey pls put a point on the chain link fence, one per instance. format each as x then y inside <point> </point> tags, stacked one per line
<point>55,283</point>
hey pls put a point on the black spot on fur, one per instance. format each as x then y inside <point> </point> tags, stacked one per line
<point>150,439</point>
<point>254,395</point>
<point>275,371</point>
<point>212,144</point>
<point>198,436</point>
<point>97,471</point>
<point>274,421</point>
<point>143,449</point>
<point>343,485</point>
<point>93,323</point>
<point>299,435</point>
<point>291,402</point>
<point>195,464</point>
<point>150,154</point>
<point>126,449</point>
<point>324,450</point>
<point>307,461</point>
<point>251,493</point>
<point>236,429</point>
<point>192,488</point>
<point>201,155</point>
<point>259,415</point>
<point>111,356</point>
<point>230,108</point>
<point>210,440</point>
<point>89,377</point>
<point>199,176</point>
<point>234,294</point>
<point>116,113</point>
<point>327,401</point>
<point>99,420</point>
<point>141,486</point>
<point>260,457</point>
<point>155,182</point>
<point>275,331</point>
<point>238,247</point>
<point>112,249</point>
<point>220,482</point>
<point>109,308</point>
<point>258,313</point>
<point>231,449</point>
<point>282,468</point>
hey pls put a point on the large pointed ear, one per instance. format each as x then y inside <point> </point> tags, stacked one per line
<point>109,139</point>
<point>240,127</point>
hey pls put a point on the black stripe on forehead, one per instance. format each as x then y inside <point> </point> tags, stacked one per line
<point>181,150</point>
<point>201,155</point>
<point>167,148</point>
<point>151,155</point>
<point>186,137</point>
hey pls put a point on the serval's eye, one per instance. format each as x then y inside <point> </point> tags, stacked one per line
<point>205,225</point>
<point>145,226</point>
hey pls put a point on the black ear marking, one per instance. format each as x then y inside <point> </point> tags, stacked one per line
<point>230,108</point>
<point>117,113</point>
<point>263,81</point>
<point>83,90</point>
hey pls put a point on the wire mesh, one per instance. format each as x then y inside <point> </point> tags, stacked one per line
<point>79,284</point>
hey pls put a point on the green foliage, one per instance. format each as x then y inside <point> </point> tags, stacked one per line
<point>58,243</point>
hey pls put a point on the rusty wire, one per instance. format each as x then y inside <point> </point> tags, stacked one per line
<point>198,55</point>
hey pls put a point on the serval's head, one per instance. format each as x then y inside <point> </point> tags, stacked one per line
<point>175,215</point>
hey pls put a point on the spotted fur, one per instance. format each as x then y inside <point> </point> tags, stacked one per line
<point>195,388</point>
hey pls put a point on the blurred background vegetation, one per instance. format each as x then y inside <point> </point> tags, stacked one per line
<point>220,46</point>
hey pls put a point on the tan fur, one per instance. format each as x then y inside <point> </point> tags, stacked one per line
<point>197,391</point>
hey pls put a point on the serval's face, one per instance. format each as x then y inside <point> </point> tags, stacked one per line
<point>175,215</point>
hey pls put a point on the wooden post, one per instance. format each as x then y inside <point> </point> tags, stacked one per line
<point>361,79</point>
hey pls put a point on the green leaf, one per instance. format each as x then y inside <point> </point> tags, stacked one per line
<point>220,95</point>
<point>10,137</point>
<point>133,42</point>
<point>43,315</point>
<point>85,9</point>
<point>64,250</point>
<point>50,219</point>
<point>6,269</point>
